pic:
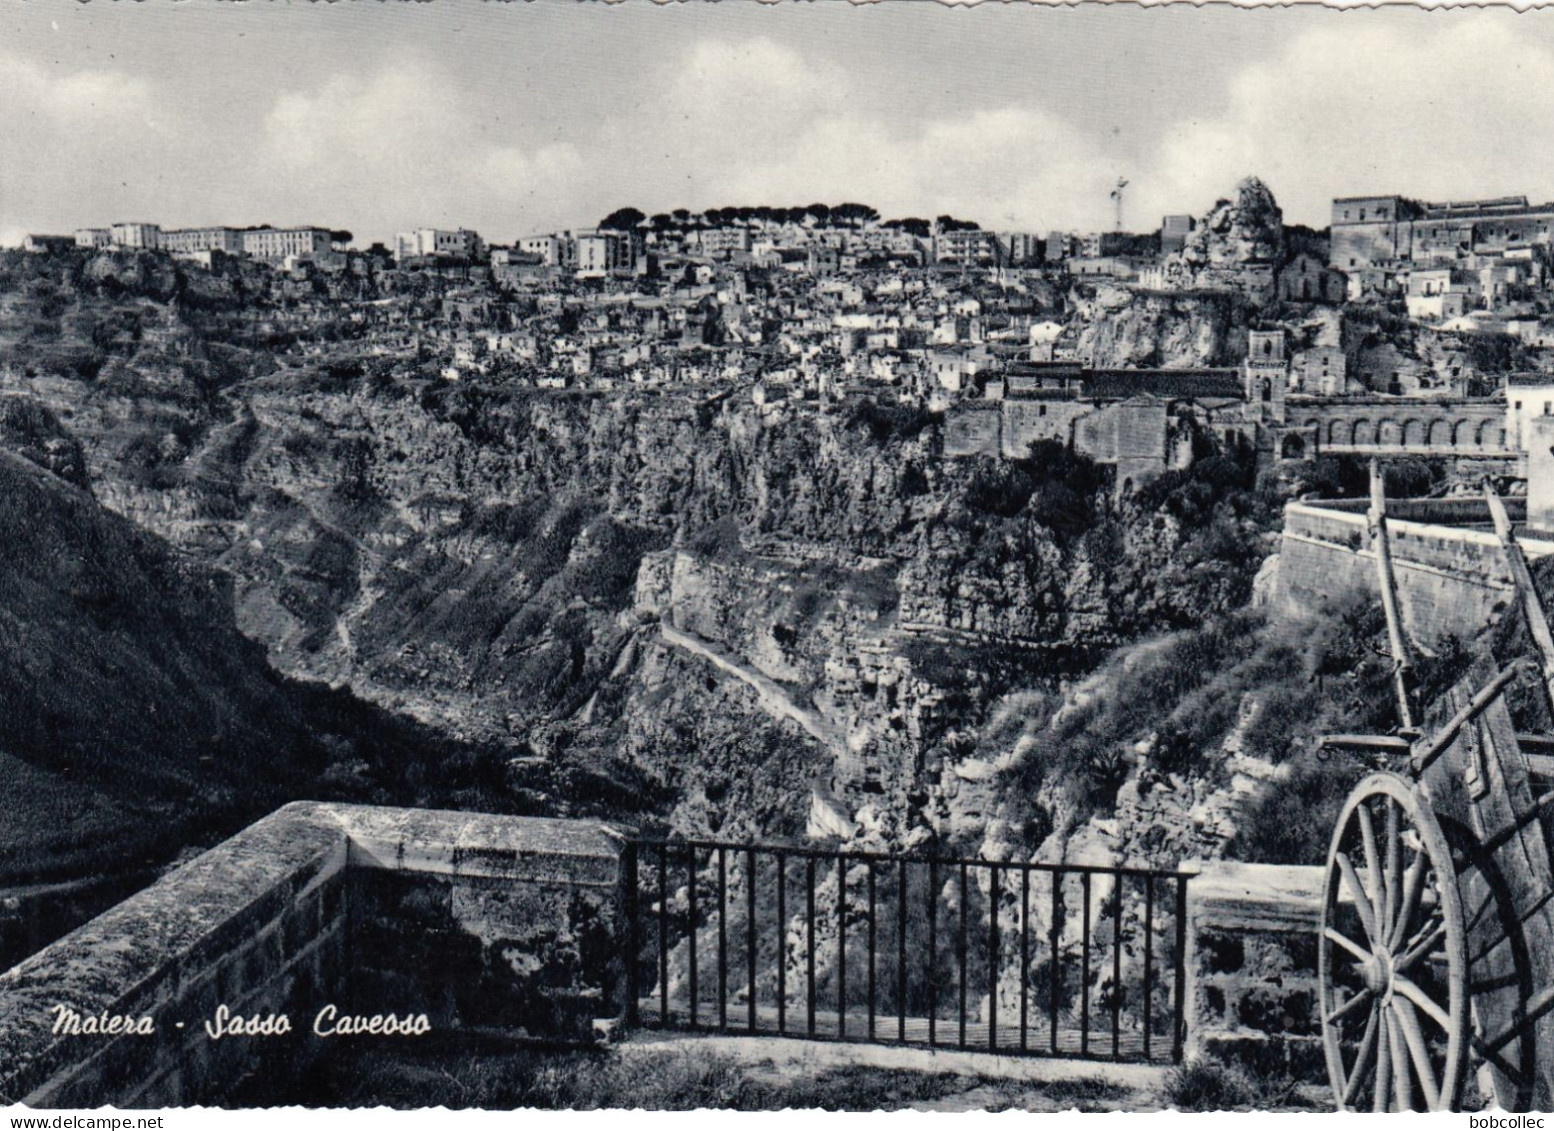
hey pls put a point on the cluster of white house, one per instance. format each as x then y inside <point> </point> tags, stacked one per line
<point>1453,262</point>
<point>600,252</point>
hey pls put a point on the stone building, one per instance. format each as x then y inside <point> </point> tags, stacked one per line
<point>1307,279</point>
<point>1267,376</point>
<point>193,240</point>
<point>41,243</point>
<point>1528,400</point>
<point>277,244</point>
<point>1321,371</point>
<point>1368,231</point>
<point>419,243</point>
<point>1174,231</point>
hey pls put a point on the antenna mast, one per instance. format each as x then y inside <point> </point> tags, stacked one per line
<point>1117,200</point>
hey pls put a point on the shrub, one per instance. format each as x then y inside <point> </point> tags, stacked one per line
<point>718,542</point>
<point>1205,1085</point>
<point>886,423</point>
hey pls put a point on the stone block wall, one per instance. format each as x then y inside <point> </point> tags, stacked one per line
<point>479,922</point>
<point>1027,421</point>
<point>1252,967</point>
<point>500,924</point>
<point>972,430</point>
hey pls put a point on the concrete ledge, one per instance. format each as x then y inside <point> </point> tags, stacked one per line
<point>480,845</point>
<point>1258,897</point>
<point>139,956</point>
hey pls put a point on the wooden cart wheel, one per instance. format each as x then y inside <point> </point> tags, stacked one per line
<point>1391,959</point>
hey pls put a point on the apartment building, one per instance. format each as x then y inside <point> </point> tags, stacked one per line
<point>193,240</point>
<point>438,243</point>
<point>286,243</point>
<point>146,237</point>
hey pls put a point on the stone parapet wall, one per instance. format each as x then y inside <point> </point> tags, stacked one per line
<point>1252,967</point>
<point>257,923</point>
<point>477,921</point>
<point>1451,579</point>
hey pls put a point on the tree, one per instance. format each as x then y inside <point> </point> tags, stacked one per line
<point>623,219</point>
<point>1496,353</point>
<point>662,221</point>
<point>820,212</point>
<point>951,224</point>
<point>854,213</point>
<point>340,236</point>
<point>912,225</point>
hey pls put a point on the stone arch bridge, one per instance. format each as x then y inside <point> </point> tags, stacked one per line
<point>1383,426</point>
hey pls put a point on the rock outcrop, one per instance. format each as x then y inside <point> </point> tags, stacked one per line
<point>1237,245</point>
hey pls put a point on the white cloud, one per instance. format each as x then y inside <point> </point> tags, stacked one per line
<point>756,123</point>
<point>381,142</point>
<point>70,136</point>
<point>1351,108</point>
<point>405,145</point>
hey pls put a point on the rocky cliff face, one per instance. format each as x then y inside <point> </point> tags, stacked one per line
<point>485,562</point>
<point>1122,328</point>
<point>137,720</point>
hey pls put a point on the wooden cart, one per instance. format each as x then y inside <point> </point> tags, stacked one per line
<point>1436,952</point>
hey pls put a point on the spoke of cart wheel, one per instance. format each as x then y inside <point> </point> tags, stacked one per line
<point>1348,1007</point>
<point>1402,1080</point>
<point>1348,944</point>
<point>1362,903</point>
<point>1413,884</point>
<point>1425,945</point>
<point>1393,872</point>
<point>1408,1020</point>
<point>1372,863</point>
<point>1430,929</point>
<point>1363,1058</point>
<point>1414,994</point>
<point>1383,1089</point>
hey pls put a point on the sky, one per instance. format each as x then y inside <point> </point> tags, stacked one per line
<point>518,117</point>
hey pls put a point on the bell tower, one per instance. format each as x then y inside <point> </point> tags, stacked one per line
<point>1267,375</point>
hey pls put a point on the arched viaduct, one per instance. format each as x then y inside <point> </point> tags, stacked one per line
<point>1423,426</point>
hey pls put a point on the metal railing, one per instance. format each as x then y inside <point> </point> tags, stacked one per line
<point>1038,959</point>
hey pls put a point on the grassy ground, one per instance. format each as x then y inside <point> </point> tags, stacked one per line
<point>461,1075</point>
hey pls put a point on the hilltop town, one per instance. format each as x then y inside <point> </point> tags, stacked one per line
<point>1134,350</point>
